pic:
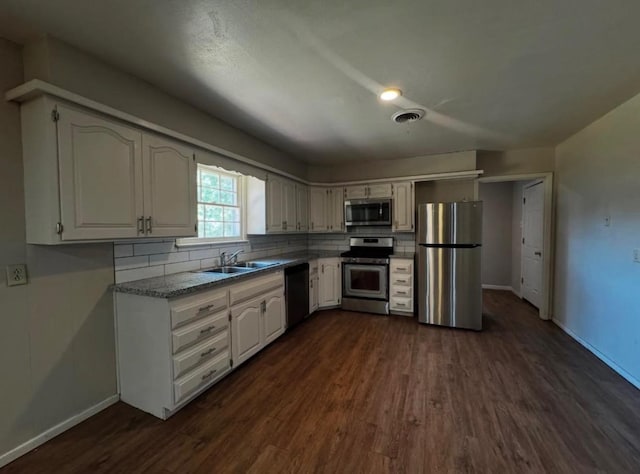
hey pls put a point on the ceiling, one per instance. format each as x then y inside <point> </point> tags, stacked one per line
<point>304,75</point>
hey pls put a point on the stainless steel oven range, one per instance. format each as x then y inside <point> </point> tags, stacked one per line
<point>365,274</point>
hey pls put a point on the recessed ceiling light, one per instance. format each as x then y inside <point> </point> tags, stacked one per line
<point>390,94</point>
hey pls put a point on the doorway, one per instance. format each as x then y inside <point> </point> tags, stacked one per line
<point>517,237</point>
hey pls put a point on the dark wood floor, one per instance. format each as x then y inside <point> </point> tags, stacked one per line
<point>348,392</point>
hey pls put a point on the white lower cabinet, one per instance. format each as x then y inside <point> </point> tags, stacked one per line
<point>401,287</point>
<point>330,282</point>
<point>314,290</point>
<point>170,350</point>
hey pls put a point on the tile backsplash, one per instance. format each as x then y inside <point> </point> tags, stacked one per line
<point>138,260</point>
<point>135,260</point>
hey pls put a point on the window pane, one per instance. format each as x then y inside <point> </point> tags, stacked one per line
<point>228,198</point>
<point>232,230</point>
<point>227,183</point>
<point>213,229</point>
<point>209,179</point>
<point>231,214</point>
<point>200,212</point>
<point>201,231</point>
<point>209,195</point>
<point>213,213</point>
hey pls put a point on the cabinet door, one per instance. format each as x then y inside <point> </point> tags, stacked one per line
<point>246,330</point>
<point>379,190</point>
<point>273,316</point>
<point>335,210</point>
<point>403,207</point>
<point>100,166</point>
<point>355,192</point>
<point>330,284</point>
<point>170,188</point>
<point>289,199</point>
<point>318,198</point>
<point>302,208</point>
<point>275,211</point>
<point>313,294</point>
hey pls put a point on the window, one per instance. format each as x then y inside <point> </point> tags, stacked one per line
<point>220,203</point>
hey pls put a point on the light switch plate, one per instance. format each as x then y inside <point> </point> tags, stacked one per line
<point>636,255</point>
<point>16,275</point>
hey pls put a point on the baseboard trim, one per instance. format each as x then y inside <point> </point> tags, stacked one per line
<point>42,438</point>
<point>497,287</point>
<point>623,373</point>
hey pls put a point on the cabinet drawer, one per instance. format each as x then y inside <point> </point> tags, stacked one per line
<point>401,291</point>
<point>200,330</point>
<point>401,304</point>
<point>203,375</point>
<point>402,266</point>
<point>203,352</point>
<point>254,287</point>
<point>194,307</point>
<point>401,279</point>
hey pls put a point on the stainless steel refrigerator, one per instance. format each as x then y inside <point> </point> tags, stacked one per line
<point>448,244</point>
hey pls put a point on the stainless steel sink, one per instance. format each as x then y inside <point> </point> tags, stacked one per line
<point>228,270</point>
<point>254,264</point>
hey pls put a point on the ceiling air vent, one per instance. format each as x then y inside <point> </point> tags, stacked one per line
<point>409,115</point>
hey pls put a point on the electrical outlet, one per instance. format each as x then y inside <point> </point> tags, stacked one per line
<point>636,255</point>
<point>16,275</point>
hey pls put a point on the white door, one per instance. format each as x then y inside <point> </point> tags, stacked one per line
<point>532,243</point>
<point>330,282</point>
<point>302,193</point>
<point>100,165</point>
<point>403,206</point>
<point>274,316</point>
<point>170,188</point>
<point>275,211</point>
<point>246,330</point>
<point>318,198</point>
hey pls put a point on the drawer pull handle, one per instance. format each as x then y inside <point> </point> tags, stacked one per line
<point>206,376</point>
<point>209,352</point>
<point>401,269</point>
<point>209,307</point>
<point>400,304</point>
<point>401,292</point>
<point>207,330</point>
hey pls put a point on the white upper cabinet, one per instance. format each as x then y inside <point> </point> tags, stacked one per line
<point>88,177</point>
<point>318,198</point>
<point>289,201</point>
<point>335,210</point>
<point>326,209</point>
<point>365,191</point>
<point>275,209</point>
<point>302,207</point>
<point>101,186</point>
<point>403,206</point>
<point>170,187</point>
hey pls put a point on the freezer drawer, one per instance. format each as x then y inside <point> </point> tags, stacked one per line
<point>449,287</point>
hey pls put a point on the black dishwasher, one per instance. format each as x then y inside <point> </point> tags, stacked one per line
<point>296,293</point>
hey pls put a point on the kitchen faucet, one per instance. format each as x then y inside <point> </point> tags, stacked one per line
<point>233,258</point>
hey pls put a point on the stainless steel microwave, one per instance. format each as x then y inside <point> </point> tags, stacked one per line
<point>367,212</point>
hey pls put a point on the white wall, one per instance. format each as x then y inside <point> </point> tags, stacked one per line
<point>497,224</point>
<point>57,355</point>
<point>513,162</point>
<point>596,283</point>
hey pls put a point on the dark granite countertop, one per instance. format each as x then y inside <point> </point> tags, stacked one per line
<point>180,284</point>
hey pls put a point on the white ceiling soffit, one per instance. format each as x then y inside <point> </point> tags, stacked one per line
<point>305,75</point>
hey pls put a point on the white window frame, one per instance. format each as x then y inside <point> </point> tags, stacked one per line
<point>242,204</point>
